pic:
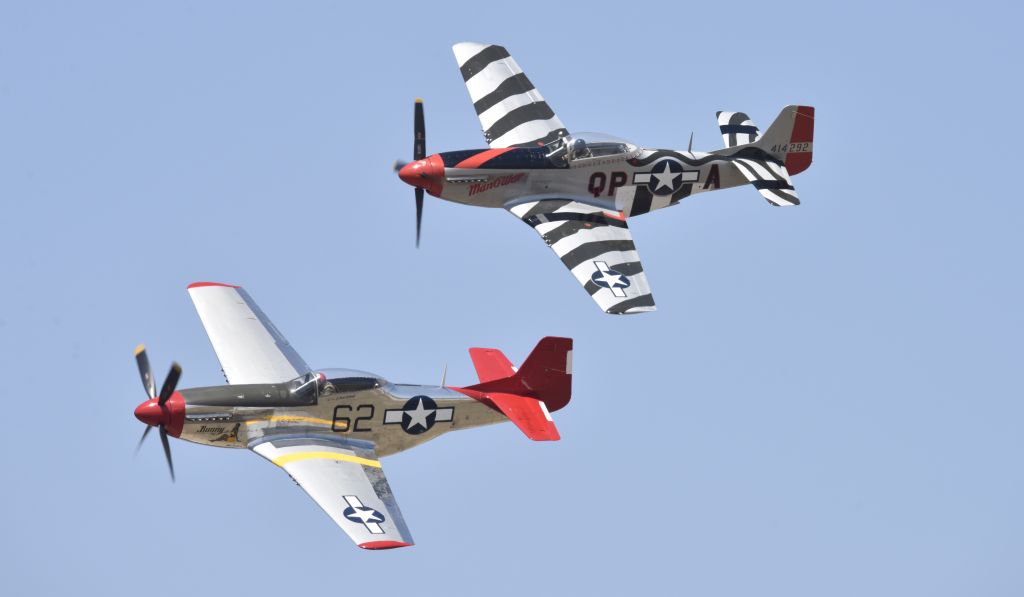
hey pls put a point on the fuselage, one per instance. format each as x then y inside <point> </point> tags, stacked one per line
<point>333,403</point>
<point>615,176</point>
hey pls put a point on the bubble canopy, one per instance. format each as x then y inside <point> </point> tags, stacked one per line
<point>585,145</point>
<point>346,380</point>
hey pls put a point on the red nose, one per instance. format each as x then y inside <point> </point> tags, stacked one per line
<point>427,174</point>
<point>151,413</point>
<point>170,415</point>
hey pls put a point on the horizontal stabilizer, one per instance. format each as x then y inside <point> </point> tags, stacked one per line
<point>769,161</point>
<point>770,178</point>
<point>491,364</point>
<point>737,128</point>
<point>529,414</point>
<point>526,396</point>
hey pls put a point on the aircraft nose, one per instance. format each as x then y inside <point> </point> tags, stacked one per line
<point>426,173</point>
<point>150,413</point>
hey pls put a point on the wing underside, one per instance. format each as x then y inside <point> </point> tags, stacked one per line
<point>596,246</point>
<point>248,345</point>
<point>512,112</point>
<point>346,480</point>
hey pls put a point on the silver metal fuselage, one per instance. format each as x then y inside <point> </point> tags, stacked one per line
<point>353,406</point>
<point>610,182</point>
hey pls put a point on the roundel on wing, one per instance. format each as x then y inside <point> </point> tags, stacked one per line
<point>363,514</point>
<point>609,278</point>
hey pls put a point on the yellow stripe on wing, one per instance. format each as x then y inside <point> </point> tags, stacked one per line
<point>296,456</point>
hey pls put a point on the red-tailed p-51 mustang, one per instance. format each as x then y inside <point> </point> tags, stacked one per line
<point>327,428</point>
<point>576,190</point>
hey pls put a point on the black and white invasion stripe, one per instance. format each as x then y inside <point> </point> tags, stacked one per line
<point>737,128</point>
<point>511,111</point>
<point>583,235</point>
<point>770,179</point>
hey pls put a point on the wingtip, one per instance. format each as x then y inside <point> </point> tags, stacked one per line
<point>202,284</point>
<point>546,436</point>
<point>640,310</point>
<point>378,545</point>
<point>464,50</point>
<point>631,310</point>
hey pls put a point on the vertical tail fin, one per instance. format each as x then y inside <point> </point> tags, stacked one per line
<point>542,384</point>
<point>769,161</point>
<point>546,374</point>
<point>790,139</point>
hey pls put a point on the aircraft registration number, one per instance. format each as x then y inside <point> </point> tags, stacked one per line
<point>791,147</point>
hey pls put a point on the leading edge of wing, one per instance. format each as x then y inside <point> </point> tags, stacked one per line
<point>595,244</point>
<point>344,478</point>
<point>248,345</point>
<point>511,110</point>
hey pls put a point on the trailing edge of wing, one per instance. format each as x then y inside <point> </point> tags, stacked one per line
<point>248,345</point>
<point>346,480</point>
<point>597,248</point>
<point>511,111</point>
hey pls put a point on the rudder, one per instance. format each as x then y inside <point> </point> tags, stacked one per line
<point>790,139</point>
<point>542,384</point>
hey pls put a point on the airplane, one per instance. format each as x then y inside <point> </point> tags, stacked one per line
<point>577,189</point>
<point>328,428</point>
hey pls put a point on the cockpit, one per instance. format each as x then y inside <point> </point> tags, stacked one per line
<point>584,146</point>
<point>343,381</point>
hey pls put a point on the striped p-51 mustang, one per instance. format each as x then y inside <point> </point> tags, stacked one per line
<point>328,428</point>
<point>578,189</point>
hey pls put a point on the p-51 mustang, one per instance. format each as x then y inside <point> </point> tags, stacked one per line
<point>576,190</point>
<point>327,428</point>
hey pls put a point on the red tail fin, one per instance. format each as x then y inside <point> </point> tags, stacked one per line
<point>527,396</point>
<point>546,374</point>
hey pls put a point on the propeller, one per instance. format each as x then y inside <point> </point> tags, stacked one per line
<point>145,412</point>
<point>419,151</point>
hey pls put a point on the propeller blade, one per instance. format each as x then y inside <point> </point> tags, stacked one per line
<point>144,370</point>
<point>690,148</point>
<point>419,146</point>
<point>142,439</point>
<point>167,450</point>
<point>399,164</point>
<point>170,383</point>
<point>419,214</point>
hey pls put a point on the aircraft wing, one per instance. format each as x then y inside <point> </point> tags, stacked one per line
<point>346,480</point>
<point>248,346</point>
<point>512,112</point>
<point>596,246</point>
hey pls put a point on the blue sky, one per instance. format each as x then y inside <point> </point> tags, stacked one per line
<point>828,400</point>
